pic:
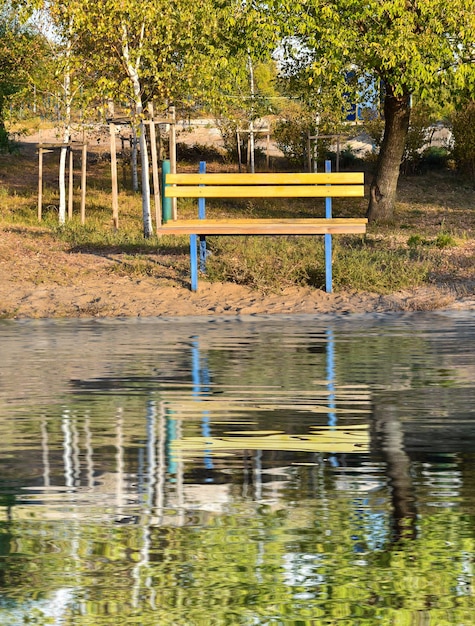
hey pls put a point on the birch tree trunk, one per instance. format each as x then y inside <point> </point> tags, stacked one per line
<point>251,121</point>
<point>133,160</point>
<point>67,130</point>
<point>133,72</point>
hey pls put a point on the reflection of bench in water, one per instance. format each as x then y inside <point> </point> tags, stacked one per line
<point>343,439</point>
<point>241,403</point>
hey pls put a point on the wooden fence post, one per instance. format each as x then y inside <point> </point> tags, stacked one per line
<point>173,155</point>
<point>115,191</point>
<point>40,182</point>
<point>155,176</point>
<point>83,182</point>
<point>71,183</point>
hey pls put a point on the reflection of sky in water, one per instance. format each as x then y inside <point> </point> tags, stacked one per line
<point>304,448</point>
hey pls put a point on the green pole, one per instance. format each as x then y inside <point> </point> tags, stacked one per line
<point>166,202</point>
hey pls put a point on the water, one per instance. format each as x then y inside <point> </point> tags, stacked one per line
<point>259,471</point>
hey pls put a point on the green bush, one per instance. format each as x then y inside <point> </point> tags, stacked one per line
<point>434,158</point>
<point>199,152</point>
<point>291,132</point>
<point>463,128</point>
<point>444,240</point>
<point>5,143</point>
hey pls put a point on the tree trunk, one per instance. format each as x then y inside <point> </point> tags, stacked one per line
<point>133,72</point>
<point>62,185</point>
<point>390,439</point>
<point>397,111</point>
<point>146,212</point>
<point>133,160</point>
<point>67,127</point>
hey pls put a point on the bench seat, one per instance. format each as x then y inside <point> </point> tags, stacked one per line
<point>260,226</point>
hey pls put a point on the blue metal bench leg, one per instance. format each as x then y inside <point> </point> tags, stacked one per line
<point>328,239</point>
<point>328,263</point>
<point>194,262</point>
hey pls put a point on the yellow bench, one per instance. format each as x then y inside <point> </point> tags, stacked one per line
<point>301,185</point>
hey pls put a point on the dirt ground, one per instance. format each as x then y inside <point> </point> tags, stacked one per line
<point>41,278</point>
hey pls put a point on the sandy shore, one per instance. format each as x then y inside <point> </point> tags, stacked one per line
<point>41,278</point>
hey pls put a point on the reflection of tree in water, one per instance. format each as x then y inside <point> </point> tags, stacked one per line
<point>389,439</point>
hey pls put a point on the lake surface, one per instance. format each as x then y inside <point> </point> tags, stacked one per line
<point>290,470</point>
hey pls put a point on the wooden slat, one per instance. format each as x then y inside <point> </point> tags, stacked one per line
<point>266,191</point>
<point>268,220</point>
<point>302,178</point>
<point>265,227</point>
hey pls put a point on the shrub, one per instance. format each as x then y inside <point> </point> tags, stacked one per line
<point>435,158</point>
<point>348,158</point>
<point>463,128</point>
<point>444,240</point>
<point>417,137</point>
<point>291,134</point>
<point>199,152</point>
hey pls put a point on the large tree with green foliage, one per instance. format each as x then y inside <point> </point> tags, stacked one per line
<point>21,50</point>
<point>143,50</point>
<point>404,48</point>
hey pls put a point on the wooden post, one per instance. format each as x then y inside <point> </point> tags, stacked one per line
<point>238,138</point>
<point>248,157</point>
<point>173,155</point>
<point>309,153</point>
<point>155,176</point>
<point>71,183</point>
<point>267,152</point>
<point>83,182</point>
<point>115,191</point>
<point>40,182</point>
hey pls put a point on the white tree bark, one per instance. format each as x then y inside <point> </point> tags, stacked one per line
<point>67,95</point>
<point>133,72</point>
<point>251,121</point>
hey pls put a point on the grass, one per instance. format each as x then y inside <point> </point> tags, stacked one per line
<point>270,263</point>
<point>373,266</point>
<point>430,239</point>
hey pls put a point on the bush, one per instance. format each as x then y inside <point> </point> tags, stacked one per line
<point>463,128</point>
<point>417,138</point>
<point>199,152</point>
<point>373,125</point>
<point>435,158</point>
<point>443,240</point>
<point>348,158</point>
<point>291,134</point>
<point>5,145</point>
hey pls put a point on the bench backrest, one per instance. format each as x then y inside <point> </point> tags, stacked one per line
<point>299,185</point>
